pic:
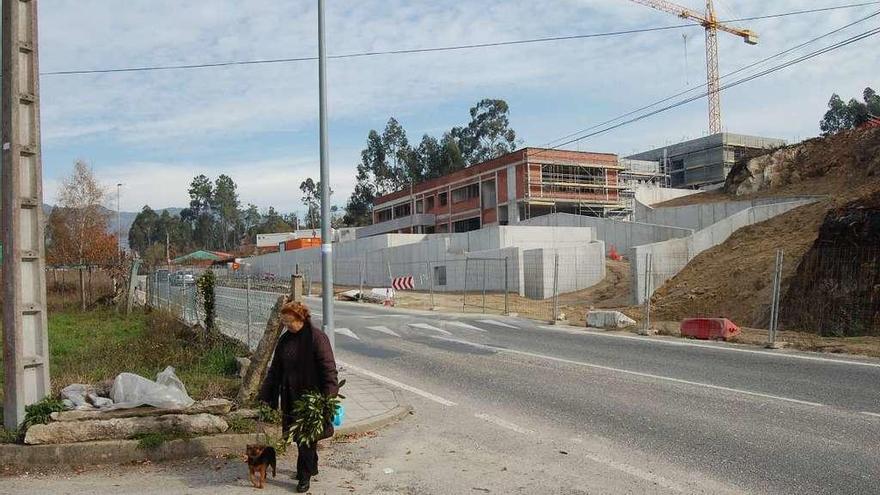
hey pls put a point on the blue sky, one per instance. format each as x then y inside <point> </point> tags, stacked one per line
<point>153,131</point>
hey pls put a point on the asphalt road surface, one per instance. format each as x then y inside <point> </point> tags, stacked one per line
<point>576,411</point>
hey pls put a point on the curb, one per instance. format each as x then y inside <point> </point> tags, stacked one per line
<point>71,455</point>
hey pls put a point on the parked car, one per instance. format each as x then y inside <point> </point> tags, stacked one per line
<point>182,278</point>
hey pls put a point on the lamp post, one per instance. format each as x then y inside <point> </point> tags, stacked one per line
<point>326,239</point>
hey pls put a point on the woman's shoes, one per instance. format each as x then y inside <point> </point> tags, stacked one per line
<point>303,485</point>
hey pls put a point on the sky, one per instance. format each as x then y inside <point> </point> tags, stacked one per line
<point>154,131</point>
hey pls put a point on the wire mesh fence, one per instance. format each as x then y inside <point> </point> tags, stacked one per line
<point>835,291</point>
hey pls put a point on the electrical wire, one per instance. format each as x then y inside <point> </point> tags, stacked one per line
<point>743,80</point>
<point>737,71</point>
<point>432,49</point>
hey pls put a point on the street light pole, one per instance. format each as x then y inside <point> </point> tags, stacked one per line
<point>326,240</point>
<point>118,223</point>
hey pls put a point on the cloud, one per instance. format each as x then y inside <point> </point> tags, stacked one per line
<point>180,123</point>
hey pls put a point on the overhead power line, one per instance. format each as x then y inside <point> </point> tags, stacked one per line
<point>737,71</point>
<point>743,80</point>
<point>433,49</point>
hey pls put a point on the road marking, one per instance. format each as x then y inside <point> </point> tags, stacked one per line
<point>402,386</point>
<point>876,415</point>
<point>634,471</point>
<point>385,330</point>
<point>347,332</point>
<point>504,424</point>
<point>594,333</point>
<point>463,325</point>
<point>498,323</point>
<point>425,326</point>
<point>634,373</point>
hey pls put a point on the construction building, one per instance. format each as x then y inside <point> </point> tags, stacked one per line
<point>705,162</point>
<point>523,184</point>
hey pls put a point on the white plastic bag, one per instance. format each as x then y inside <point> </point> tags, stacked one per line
<point>167,392</point>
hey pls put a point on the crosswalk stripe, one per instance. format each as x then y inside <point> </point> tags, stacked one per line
<point>463,325</point>
<point>498,323</point>
<point>385,330</point>
<point>347,332</point>
<point>425,326</point>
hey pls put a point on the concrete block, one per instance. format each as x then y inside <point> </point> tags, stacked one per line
<point>608,319</point>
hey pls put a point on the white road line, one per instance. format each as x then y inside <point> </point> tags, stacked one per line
<point>638,473</point>
<point>876,415</point>
<point>498,323</point>
<point>463,325</point>
<point>425,326</point>
<point>347,332</point>
<point>594,333</point>
<point>634,373</point>
<point>504,424</point>
<point>385,330</point>
<point>402,386</point>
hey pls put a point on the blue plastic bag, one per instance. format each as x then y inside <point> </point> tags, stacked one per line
<point>339,416</point>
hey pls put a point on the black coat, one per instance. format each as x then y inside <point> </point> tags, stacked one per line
<point>303,361</point>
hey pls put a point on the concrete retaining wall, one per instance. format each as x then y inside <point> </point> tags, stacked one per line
<point>465,261</point>
<point>701,216</point>
<point>618,233</point>
<point>670,257</point>
<point>652,195</point>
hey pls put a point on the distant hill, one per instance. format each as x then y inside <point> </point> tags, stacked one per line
<point>126,218</point>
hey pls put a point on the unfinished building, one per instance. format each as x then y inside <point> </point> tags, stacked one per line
<point>523,184</point>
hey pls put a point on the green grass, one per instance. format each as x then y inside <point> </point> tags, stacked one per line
<point>96,345</point>
<point>241,425</point>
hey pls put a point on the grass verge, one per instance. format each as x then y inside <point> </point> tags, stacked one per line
<point>96,345</point>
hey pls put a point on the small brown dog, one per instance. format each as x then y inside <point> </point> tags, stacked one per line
<point>259,458</point>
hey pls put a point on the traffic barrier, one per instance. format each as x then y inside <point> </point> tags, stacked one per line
<point>708,328</point>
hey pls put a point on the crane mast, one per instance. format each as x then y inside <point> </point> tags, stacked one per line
<point>710,23</point>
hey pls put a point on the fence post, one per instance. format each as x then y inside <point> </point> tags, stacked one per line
<point>430,283</point>
<point>484,286</point>
<point>774,302</point>
<point>506,302</point>
<point>649,269</point>
<point>464,291</point>
<point>555,288</point>
<point>248,297</point>
<point>363,275</point>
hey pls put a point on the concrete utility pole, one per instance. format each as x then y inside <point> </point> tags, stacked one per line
<point>326,239</point>
<point>25,339</point>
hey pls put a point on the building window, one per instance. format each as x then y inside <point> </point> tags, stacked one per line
<point>402,210</point>
<point>466,225</point>
<point>502,215</point>
<point>429,203</point>
<point>443,198</point>
<point>443,228</point>
<point>488,196</point>
<point>383,215</point>
<point>440,275</point>
<point>420,205</point>
<point>465,193</point>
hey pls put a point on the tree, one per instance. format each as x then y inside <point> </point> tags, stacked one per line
<point>78,229</point>
<point>273,223</point>
<point>225,203</point>
<point>488,135</point>
<point>201,194</point>
<point>843,116</point>
<point>312,199</point>
<point>143,230</point>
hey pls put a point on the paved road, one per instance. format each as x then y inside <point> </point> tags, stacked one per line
<point>641,414</point>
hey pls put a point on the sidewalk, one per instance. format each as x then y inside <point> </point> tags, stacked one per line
<point>368,404</point>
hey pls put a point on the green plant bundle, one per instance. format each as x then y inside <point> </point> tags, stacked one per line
<point>312,413</point>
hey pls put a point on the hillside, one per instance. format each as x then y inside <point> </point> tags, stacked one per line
<point>733,279</point>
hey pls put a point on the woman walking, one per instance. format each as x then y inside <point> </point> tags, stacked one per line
<point>303,362</point>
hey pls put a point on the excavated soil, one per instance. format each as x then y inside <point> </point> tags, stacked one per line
<point>734,279</point>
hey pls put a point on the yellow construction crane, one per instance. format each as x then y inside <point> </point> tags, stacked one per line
<point>711,24</point>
